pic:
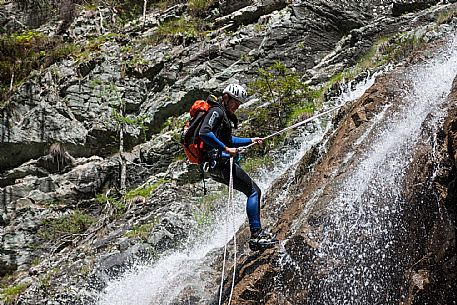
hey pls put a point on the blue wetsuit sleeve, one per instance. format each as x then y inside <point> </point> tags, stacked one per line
<point>210,139</point>
<point>240,142</point>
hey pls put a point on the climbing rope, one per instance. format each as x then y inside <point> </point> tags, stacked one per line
<point>234,229</point>
<point>231,204</point>
<point>241,149</point>
<point>230,207</point>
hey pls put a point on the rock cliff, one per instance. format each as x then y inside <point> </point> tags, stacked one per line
<point>320,232</point>
<point>60,162</point>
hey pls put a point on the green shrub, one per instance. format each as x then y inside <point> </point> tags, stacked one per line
<point>287,98</point>
<point>181,29</point>
<point>142,232</point>
<point>27,51</point>
<point>283,90</point>
<point>9,294</point>
<point>75,223</point>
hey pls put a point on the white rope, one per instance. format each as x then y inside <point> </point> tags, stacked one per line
<point>230,206</point>
<point>225,251</point>
<point>292,127</point>
<point>234,228</point>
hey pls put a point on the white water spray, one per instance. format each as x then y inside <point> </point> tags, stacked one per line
<point>358,250</point>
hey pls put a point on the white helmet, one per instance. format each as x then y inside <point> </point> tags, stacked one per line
<point>237,92</point>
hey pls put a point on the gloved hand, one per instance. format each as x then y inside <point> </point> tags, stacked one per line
<point>257,140</point>
<point>232,151</point>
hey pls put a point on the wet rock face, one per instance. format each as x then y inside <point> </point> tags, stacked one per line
<point>433,278</point>
<point>302,274</point>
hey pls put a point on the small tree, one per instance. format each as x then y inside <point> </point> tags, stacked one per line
<point>144,12</point>
<point>119,122</point>
<point>284,92</point>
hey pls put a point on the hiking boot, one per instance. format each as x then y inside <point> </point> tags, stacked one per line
<point>261,239</point>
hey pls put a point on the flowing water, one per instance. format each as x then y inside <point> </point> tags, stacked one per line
<point>192,269</point>
<point>359,252</point>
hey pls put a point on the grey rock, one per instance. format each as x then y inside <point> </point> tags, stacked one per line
<point>72,102</point>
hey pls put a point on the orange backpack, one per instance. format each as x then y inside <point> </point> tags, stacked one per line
<point>193,145</point>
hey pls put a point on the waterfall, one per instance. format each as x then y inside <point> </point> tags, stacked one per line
<point>358,253</point>
<point>192,269</point>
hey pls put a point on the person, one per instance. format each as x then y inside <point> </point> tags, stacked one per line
<point>216,132</point>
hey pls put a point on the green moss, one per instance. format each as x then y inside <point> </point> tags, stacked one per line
<point>198,7</point>
<point>96,82</point>
<point>90,7</point>
<point>446,17</point>
<point>9,294</point>
<point>137,61</point>
<point>184,26</point>
<point>93,45</point>
<point>369,60</point>
<point>142,232</point>
<point>85,270</point>
<point>144,191</point>
<point>36,261</point>
<point>27,37</point>
<point>247,58</point>
<point>252,164</point>
<point>74,223</point>
<point>179,29</point>
<point>258,27</point>
<point>6,280</point>
<point>118,204</point>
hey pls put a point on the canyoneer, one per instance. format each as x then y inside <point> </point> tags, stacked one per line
<point>216,132</point>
